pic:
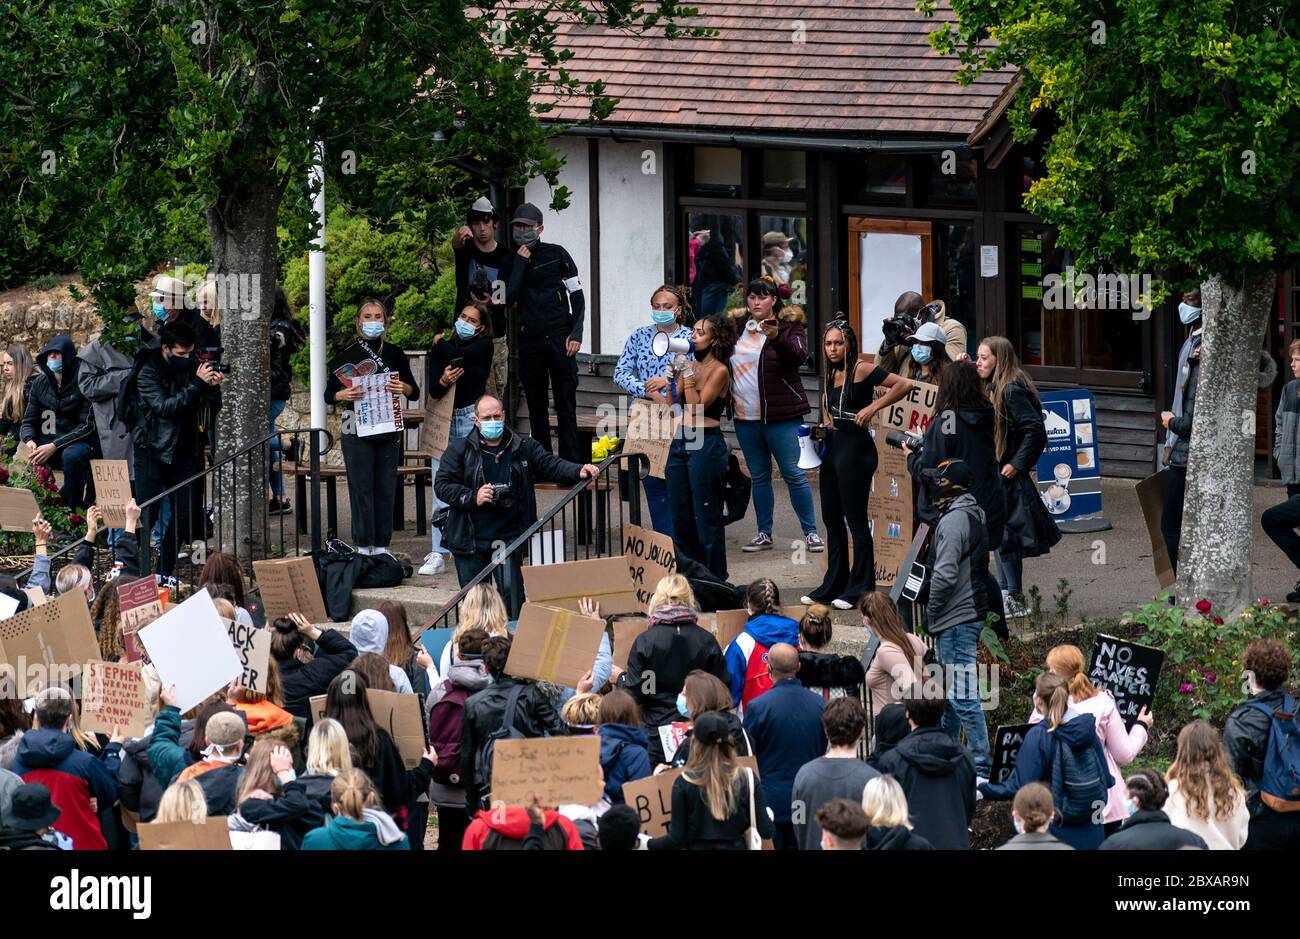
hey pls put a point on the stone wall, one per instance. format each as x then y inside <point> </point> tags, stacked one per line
<point>33,317</point>
<point>297,416</point>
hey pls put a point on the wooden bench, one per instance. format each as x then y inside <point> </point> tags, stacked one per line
<point>330,476</point>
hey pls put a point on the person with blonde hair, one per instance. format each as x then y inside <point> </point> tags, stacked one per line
<point>303,802</point>
<point>1205,795</point>
<point>823,672</point>
<point>183,802</point>
<point>209,303</point>
<point>17,368</point>
<point>1032,811</point>
<point>890,828</point>
<point>581,713</point>
<point>482,609</point>
<point>268,770</point>
<point>672,645</point>
<point>1078,779</point>
<point>358,823</point>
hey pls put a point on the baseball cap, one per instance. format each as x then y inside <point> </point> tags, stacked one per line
<point>950,474</point>
<point>481,207</point>
<point>528,213</point>
<point>225,729</point>
<point>711,727</point>
<point>927,332</point>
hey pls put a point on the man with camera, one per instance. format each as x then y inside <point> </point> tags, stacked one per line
<point>486,479</point>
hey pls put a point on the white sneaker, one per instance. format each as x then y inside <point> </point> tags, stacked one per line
<point>1015,609</point>
<point>807,600</point>
<point>434,563</point>
<point>841,604</point>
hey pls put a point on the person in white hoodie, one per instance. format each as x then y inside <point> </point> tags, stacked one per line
<point>1205,795</point>
<point>1121,744</point>
<point>370,634</point>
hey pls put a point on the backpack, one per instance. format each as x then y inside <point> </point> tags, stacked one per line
<point>507,731</point>
<point>446,719</point>
<point>1279,785</point>
<point>554,838</point>
<point>1078,782</point>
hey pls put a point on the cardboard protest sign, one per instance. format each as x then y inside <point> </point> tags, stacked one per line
<point>436,432</point>
<point>1128,671</point>
<point>605,580</point>
<point>290,586</point>
<point>397,714</point>
<point>113,696</point>
<point>56,637</point>
<point>1006,747</point>
<point>729,624</point>
<point>17,508</point>
<point>139,603</point>
<point>1151,496</point>
<point>650,558</point>
<point>889,506</point>
<point>671,737</point>
<point>213,835</point>
<point>554,645</point>
<point>557,770</point>
<point>253,646</point>
<point>650,429</point>
<point>35,596</point>
<point>112,490</point>
<point>652,799</point>
<point>625,633</point>
<point>191,649</point>
<point>316,703</point>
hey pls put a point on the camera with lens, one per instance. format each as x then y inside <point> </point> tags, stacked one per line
<point>897,328</point>
<point>896,438</point>
<point>501,495</point>
<point>211,356</point>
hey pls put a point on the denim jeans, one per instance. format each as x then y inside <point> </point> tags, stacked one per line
<point>696,480</point>
<point>277,477</point>
<point>656,500</point>
<point>74,460</point>
<point>955,648</point>
<point>760,441</point>
<point>462,422</point>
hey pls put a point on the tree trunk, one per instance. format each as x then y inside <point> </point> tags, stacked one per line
<point>243,228</point>
<point>1218,518</point>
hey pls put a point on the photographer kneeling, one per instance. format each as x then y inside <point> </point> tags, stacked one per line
<point>487,480</point>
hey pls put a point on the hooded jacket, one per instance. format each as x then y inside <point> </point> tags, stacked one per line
<point>623,757</point>
<point>673,645</point>
<point>100,374</point>
<point>781,394</point>
<point>485,713</point>
<point>891,728</point>
<point>73,421</point>
<point>341,833</point>
<point>302,806</point>
<point>138,788</point>
<point>898,838</point>
<point>785,726</point>
<point>747,655</point>
<point>959,564</point>
<point>369,633</point>
<point>74,777</point>
<point>938,777</point>
<point>301,680</point>
<point>506,830</point>
<point>1151,831</point>
<point>973,443</point>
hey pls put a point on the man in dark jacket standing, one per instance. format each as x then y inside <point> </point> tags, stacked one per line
<point>170,390</point>
<point>785,725</point>
<point>486,479</point>
<point>509,707</point>
<point>57,424</point>
<point>937,775</point>
<point>544,281</point>
<point>286,339</point>
<point>101,372</point>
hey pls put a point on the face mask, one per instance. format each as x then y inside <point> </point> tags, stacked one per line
<point>55,365</point>
<point>787,257</point>
<point>1130,806</point>
<point>921,354</point>
<point>681,706</point>
<point>159,310</point>
<point>663,317</point>
<point>492,430</point>
<point>372,330</point>
<point>180,361</point>
<point>1020,825</point>
<point>466,330</point>
<point>1188,314</point>
<point>526,237</point>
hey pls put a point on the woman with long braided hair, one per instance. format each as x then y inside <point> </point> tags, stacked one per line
<point>747,654</point>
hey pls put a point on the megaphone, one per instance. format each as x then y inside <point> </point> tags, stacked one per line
<point>809,458</point>
<point>662,344</point>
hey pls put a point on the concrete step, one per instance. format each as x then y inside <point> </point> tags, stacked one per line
<point>421,596</point>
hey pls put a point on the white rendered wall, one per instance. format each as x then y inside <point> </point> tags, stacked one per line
<point>631,237</point>
<point>572,227</point>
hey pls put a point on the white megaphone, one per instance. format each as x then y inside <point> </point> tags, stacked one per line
<point>662,344</point>
<point>808,456</point>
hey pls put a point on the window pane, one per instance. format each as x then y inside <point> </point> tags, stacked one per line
<point>957,186</point>
<point>717,167</point>
<point>1044,337</point>
<point>955,282</point>
<point>785,257</point>
<point>784,169</point>
<point>886,175</point>
<point>716,262</point>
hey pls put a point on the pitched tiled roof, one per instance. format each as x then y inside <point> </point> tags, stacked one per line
<point>864,67</point>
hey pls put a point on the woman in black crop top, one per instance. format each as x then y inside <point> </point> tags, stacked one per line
<point>849,463</point>
<point>697,459</point>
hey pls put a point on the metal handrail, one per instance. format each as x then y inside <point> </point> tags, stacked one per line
<point>635,461</point>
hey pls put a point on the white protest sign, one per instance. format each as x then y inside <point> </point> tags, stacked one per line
<point>191,649</point>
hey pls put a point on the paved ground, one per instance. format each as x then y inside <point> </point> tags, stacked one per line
<point>1097,591</point>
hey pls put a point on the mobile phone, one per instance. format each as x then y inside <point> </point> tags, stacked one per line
<point>458,362</point>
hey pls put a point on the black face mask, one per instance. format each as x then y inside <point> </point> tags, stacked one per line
<point>181,362</point>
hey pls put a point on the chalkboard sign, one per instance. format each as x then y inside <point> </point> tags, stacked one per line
<point>1128,671</point>
<point>1006,747</point>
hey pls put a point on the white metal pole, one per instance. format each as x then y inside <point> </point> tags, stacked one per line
<point>316,293</point>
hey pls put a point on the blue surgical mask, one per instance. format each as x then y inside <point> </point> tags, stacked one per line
<point>921,354</point>
<point>372,330</point>
<point>663,317</point>
<point>466,330</point>
<point>1130,806</point>
<point>1019,825</point>
<point>681,706</point>
<point>159,310</point>
<point>492,430</point>
<point>55,365</point>
<point>1188,314</point>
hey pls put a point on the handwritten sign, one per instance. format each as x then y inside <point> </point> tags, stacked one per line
<point>114,696</point>
<point>652,798</point>
<point>554,645</point>
<point>112,490</point>
<point>650,429</point>
<point>436,433</point>
<point>650,558</point>
<point>253,646</point>
<point>379,411</point>
<point>1128,671</point>
<point>17,509</point>
<point>889,506</point>
<point>557,770</point>
<point>290,586</point>
<point>139,603</point>
<point>1006,747</point>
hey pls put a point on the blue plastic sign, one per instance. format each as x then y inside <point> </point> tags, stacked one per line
<point>1069,470</point>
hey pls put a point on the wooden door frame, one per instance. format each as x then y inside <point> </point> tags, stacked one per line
<point>858,225</point>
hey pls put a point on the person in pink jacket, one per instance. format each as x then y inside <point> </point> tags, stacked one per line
<point>1121,745</point>
<point>897,664</point>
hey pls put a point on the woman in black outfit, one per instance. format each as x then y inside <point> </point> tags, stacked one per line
<point>848,463</point>
<point>372,460</point>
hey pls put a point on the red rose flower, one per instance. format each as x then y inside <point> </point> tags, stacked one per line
<point>76,519</point>
<point>1203,607</point>
<point>4,476</point>
<point>1263,601</point>
<point>1217,620</point>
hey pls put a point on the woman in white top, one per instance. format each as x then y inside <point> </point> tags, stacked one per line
<point>1205,795</point>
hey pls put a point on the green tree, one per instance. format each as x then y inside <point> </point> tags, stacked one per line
<point>1173,135</point>
<point>130,110</point>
